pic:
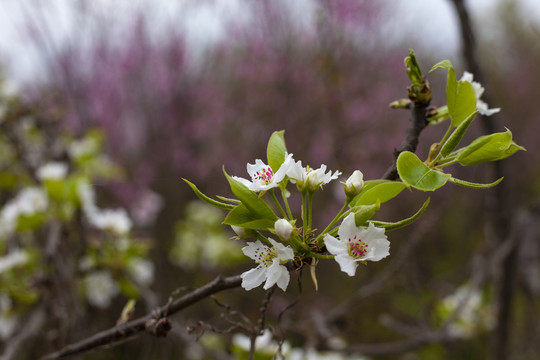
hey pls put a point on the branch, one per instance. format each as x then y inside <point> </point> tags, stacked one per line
<point>134,327</point>
<point>418,123</point>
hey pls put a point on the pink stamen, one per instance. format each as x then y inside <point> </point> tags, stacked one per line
<point>264,175</point>
<point>357,248</point>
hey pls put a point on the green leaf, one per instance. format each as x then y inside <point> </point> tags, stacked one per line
<point>457,135</point>
<point>362,213</point>
<point>445,64</point>
<point>276,150</point>
<point>381,192</point>
<point>402,223</point>
<point>413,172</point>
<point>208,200</point>
<point>488,148</point>
<point>474,185</point>
<point>464,102</point>
<point>367,185</point>
<point>234,201</point>
<point>257,206</point>
<point>243,217</point>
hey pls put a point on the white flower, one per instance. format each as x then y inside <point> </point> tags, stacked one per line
<point>283,229</point>
<point>52,171</point>
<point>354,184</point>
<point>269,268</point>
<point>13,259</point>
<point>481,105</point>
<point>142,271</point>
<point>239,231</point>
<point>306,177</point>
<point>357,244</point>
<point>116,221</point>
<point>100,288</point>
<point>262,176</point>
<point>28,202</point>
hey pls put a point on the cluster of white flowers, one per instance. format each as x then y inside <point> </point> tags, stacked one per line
<point>116,221</point>
<point>29,201</point>
<point>356,244</point>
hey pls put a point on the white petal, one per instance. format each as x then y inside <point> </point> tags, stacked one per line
<point>252,169</point>
<point>277,274</point>
<point>284,253</point>
<point>282,171</point>
<point>296,171</point>
<point>334,246</point>
<point>484,110</point>
<point>378,244</point>
<point>243,181</point>
<point>347,264</point>
<point>253,278</point>
<point>467,76</point>
<point>252,249</point>
<point>348,228</point>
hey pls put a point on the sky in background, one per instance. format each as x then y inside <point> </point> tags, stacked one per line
<point>431,23</point>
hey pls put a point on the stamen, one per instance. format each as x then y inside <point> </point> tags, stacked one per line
<point>357,248</point>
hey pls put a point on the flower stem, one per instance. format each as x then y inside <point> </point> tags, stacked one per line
<point>310,211</point>
<point>276,201</point>
<point>286,203</point>
<point>442,143</point>
<point>304,215</point>
<point>333,222</point>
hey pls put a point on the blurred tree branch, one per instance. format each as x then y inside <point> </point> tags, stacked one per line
<point>137,326</point>
<point>496,202</point>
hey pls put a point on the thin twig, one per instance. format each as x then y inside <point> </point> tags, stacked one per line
<point>137,326</point>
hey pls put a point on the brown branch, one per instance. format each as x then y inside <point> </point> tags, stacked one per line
<point>418,123</point>
<point>134,327</point>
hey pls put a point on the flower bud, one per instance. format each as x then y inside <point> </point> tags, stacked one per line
<point>239,231</point>
<point>354,184</point>
<point>283,229</point>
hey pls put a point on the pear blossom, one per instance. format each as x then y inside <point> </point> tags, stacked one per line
<point>306,177</point>
<point>263,177</point>
<point>52,171</point>
<point>283,229</point>
<point>116,221</point>
<point>269,268</point>
<point>100,288</point>
<point>142,271</point>
<point>264,343</point>
<point>481,105</point>
<point>29,201</point>
<point>354,184</point>
<point>357,244</point>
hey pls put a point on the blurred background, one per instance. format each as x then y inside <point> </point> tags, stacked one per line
<point>179,89</point>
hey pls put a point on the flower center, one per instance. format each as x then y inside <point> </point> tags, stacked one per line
<point>264,175</point>
<point>265,255</point>
<point>357,248</point>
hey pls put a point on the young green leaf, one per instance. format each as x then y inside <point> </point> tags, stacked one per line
<point>380,192</point>
<point>362,213</point>
<point>207,199</point>
<point>464,102</point>
<point>413,172</point>
<point>243,217</point>
<point>445,64</point>
<point>488,148</point>
<point>457,135</point>
<point>402,223</point>
<point>474,185</point>
<point>257,206</point>
<point>276,150</point>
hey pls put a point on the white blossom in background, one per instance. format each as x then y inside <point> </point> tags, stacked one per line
<point>472,315</point>
<point>8,322</point>
<point>269,268</point>
<point>354,184</point>
<point>312,179</point>
<point>81,148</point>
<point>262,176</point>
<point>116,221</point>
<point>481,105</point>
<point>100,288</point>
<point>142,271</point>
<point>263,343</point>
<point>52,171</point>
<point>357,244</point>
<point>312,354</point>
<point>146,207</point>
<point>29,201</point>
<point>13,259</point>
